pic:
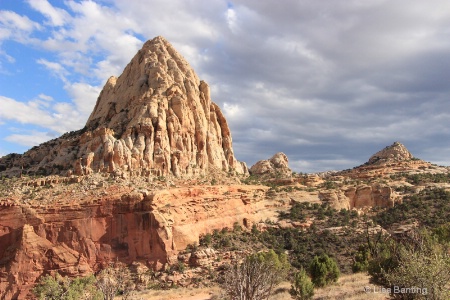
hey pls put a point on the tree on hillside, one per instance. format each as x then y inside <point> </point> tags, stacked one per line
<point>324,270</point>
<point>421,268</point>
<point>115,279</point>
<point>302,287</point>
<point>256,277</point>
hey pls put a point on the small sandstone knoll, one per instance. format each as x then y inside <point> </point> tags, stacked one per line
<point>157,118</point>
<point>392,159</point>
<point>394,153</point>
<point>276,166</point>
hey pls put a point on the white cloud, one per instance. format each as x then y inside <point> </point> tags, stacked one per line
<point>84,97</point>
<point>56,16</point>
<point>29,140</point>
<point>25,113</point>
<point>15,22</point>
<point>56,68</point>
<point>47,113</point>
<point>45,97</point>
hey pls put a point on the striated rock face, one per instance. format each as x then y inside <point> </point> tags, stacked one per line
<point>362,196</point>
<point>375,195</point>
<point>394,153</point>
<point>156,118</point>
<point>149,227</point>
<point>277,166</point>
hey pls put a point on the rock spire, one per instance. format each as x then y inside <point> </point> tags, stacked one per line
<point>156,118</point>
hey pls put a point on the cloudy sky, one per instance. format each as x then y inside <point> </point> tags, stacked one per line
<point>327,82</point>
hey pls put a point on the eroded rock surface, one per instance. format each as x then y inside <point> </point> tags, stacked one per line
<point>275,167</point>
<point>149,227</point>
<point>156,118</point>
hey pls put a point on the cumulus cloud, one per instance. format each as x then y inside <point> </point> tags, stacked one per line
<point>32,139</point>
<point>55,16</point>
<point>45,112</point>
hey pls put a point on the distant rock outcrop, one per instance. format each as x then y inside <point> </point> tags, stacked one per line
<point>390,160</point>
<point>277,166</point>
<point>362,196</point>
<point>156,118</point>
<point>394,153</point>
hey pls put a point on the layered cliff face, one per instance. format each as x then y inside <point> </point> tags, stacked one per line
<point>76,237</point>
<point>361,197</point>
<point>157,118</point>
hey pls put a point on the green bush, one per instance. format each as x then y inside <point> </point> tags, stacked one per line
<point>324,270</point>
<point>63,288</point>
<point>425,269</point>
<point>302,287</point>
<point>361,260</point>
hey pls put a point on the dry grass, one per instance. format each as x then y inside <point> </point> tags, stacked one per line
<point>211,293</point>
<point>349,287</point>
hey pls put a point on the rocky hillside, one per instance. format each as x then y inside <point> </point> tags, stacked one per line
<point>153,173</point>
<point>157,118</point>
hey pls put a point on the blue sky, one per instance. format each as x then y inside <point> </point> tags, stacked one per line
<point>327,82</point>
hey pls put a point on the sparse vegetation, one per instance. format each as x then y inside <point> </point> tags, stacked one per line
<point>64,288</point>
<point>256,277</point>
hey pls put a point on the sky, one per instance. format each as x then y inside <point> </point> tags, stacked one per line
<point>327,82</point>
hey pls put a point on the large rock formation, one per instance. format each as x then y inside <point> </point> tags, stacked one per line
<point>76,238</point>
<point>156,118</point>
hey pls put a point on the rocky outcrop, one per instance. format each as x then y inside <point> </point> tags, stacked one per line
<point>375,195</point>
<point>275,167</point>
<point>157,118</point>
<point>390,160</point>
<point>150,227</point>
<point>362,196</point>
<point>394,153</point>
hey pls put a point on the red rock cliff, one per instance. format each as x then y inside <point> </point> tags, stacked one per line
<point>77,239</point>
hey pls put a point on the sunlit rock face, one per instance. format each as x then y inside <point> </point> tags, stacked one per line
<point>156,118</point>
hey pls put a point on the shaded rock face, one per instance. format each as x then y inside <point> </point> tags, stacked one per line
<point>277,165</point>
<point>148,227</point>
<point>156,118</point>
<point>395,153</point>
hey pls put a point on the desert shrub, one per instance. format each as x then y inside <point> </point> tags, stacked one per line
<point>384,258</point>
<point>206,240</point>
<point>426,270</point>
<point>64,288</point>
<point>114,280</point>
<point>302,287</point>
<point>361,259</point>
<point>324,270</point>
<point>256,277</point>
